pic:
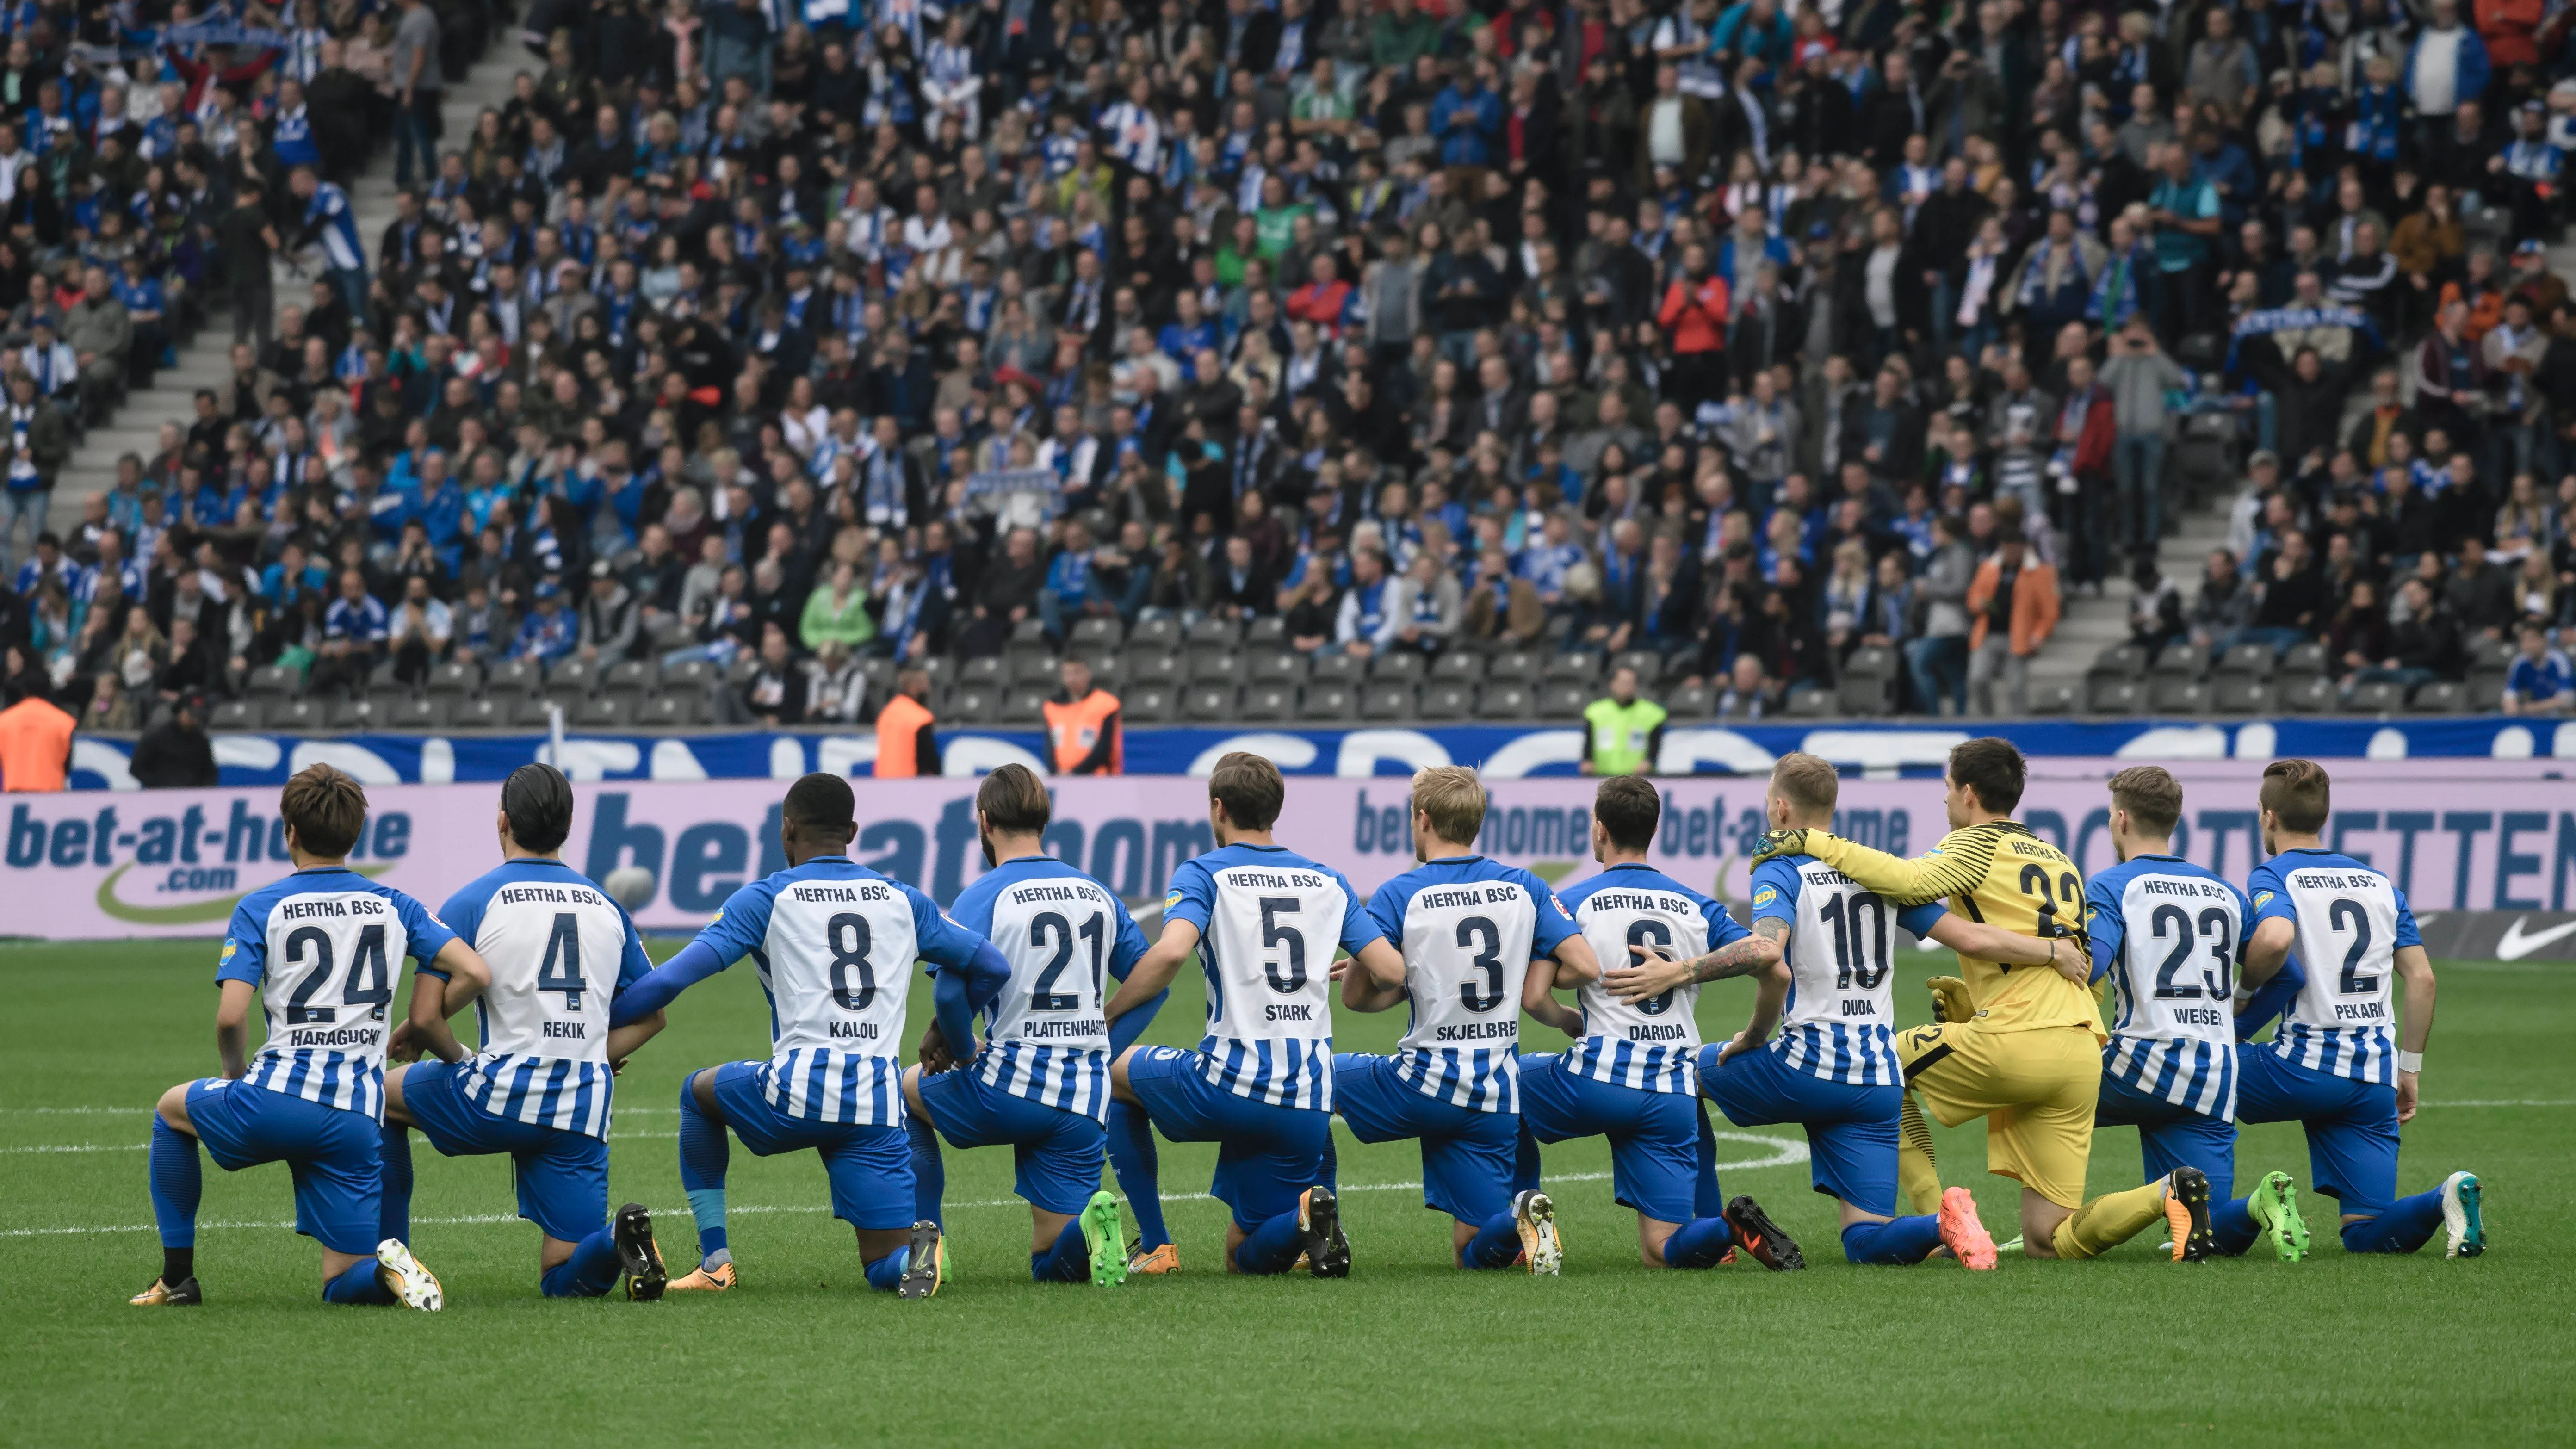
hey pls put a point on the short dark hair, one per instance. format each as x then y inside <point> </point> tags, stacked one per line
<point>2298,794</point>
<point>1014,800</point>
<point>1992,768</point>
<point>2151,795</point>
<point>1250,788</point>
<point>1628,808</point>
<point>326,808</point>
<point>538,800</point>
<point>823,800</point>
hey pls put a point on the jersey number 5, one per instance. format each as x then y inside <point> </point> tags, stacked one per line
<point>1288,976</point>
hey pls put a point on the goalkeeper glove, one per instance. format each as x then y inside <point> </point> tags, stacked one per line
<point>1780,842</point>
<point>1950,999</point>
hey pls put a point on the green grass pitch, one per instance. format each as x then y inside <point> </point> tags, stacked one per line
<point>2129,1350</point>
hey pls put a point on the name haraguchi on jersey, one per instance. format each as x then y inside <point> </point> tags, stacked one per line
<point>1841,953</point>
<point>834,943</point>
<point>2167,933</point>
<point>1268,921</point>
<point>560,951</point>
<point>2350,922</point>
<point>1066,937</point>
<point>322,946</point>
<point>1649,1044</point>
<point>1469,928</point>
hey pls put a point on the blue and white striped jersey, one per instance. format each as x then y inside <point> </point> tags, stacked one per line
<point>1066,937</point>
<point>1269,921</point>
<point>321,946</point>
<point>1650,1044</point>
<point>1841,950</point>
<point>2350,921</point>
<point>834,943</point>
<point>1469,928</point>
<point>329,207</point>
<point>560,951</point>
<point>2167,933</point>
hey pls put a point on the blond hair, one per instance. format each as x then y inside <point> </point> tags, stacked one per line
<point>1807,782</point>
<point>1454,799</point>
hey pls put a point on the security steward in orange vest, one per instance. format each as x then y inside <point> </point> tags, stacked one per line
<point>907,732</point>
<point>1083,735</point>
<point>35,741</point>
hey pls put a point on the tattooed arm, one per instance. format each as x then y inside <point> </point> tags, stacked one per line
<point>1655,973</point>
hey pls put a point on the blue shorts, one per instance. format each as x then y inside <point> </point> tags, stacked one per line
<point>1654,1136</point>
<point>336,1156</point>
<point>870,1165</point>
<point>2172,1136</point>
<point>1467,1155</point>
<point>1057,1153</point>
<point>2351,1125</point>
<point>562,1176</point>
<point>1266,1155</point>
<point>1851,1129</point>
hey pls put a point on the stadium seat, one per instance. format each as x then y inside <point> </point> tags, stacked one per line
<point>742,670</point>
<point>2110,694</point>
<point>1096,632</point>
<point>2236,694</point>
<point>1576,666</point>
<point>1446,700</point>
<point>2246,661</point>
<point>1518,664</point>
<point>1152,666</point>
<point>2308,658</point>
<point>1648,664</point>
<point>1812,704</point>
<point>1505,699</point>
<point>237,714</point>
<point>536,711</point>
<point>1207,703</point>
<point>2309,694</point>
<point>2486,691</point>
<point>2439,697</point>
<point>274,681</point>
<point>1691,702</point>
<point>2486,653</point>
<point>972,704</point>
<point>1023,704</point>
<point>605,712</point>
<point>1267,702</point>
<point>1327,701</point>
<point>1213,633</point>
<point>1386,699</point>
<point>2053,698</point>
<point>2175,694</point>
<point>991,669</point>
<point>1159,632</point>
<point>2181,659</point>
<point>667,712</point>
<point>634,678</point>
<point>512,677</point>
<point>1872,661</point>
<point>1274,666</point>
<point>1035,670</point>
<point>301,714</point>
<point>573,676</point>
<point>1030,633</point>
<point>1563,699</point>
<point>880,674</point>
<point>1460,666</point>
<point>2382,697</point>
<point>355,715</point>
<point>453,679</point>
<point>1866,694</point>
<point>1336,669</point>
<point>698,675</point>
<point>2121,661</point>
<point>1212,668</point>
<point>1267,632</point>
<point>1402,666</point>
<point>1149,703</point>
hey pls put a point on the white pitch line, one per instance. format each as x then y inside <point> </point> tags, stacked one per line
<point>1784,1153</point>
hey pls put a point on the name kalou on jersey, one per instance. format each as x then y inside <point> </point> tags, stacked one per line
<point>1651,1044</point>
<point>560,952</point>
<point>322,946</point>
<point>2167,933</point>
<point>1066,936</point>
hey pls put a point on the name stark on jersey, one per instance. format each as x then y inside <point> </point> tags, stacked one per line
<point>306,908</point>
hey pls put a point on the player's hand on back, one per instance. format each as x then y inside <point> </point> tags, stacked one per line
<point>1780,842</point>
<point>933,1051</point>
<point>2407,1088</point>
<point>1951,1000</point>
<point>1737,1045</point>
<point>1652,973</point>
<point>402,1047</point>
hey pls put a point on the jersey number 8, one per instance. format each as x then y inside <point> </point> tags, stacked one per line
<point>849,960</point>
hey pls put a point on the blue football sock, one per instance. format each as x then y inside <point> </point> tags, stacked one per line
<point>1069,1261</point>
<point>1902,1240</point>
<point>393,1210</point>
<point>1707,1201</point>
<point>1698,1244</point>
<point>929,1173</point>
<point>1273,1246</point>
<point>589,1273</point>
<point>1496,1245</point>
<point>2232,1223</point>
<point>178,1184</point>
<point>358,1285</point>
<point>1329,1173</point>
<point>1132,1155</point>
<point>886,1273</point>
<point>705,1153</point>
<point>1525,1162</point>
<point>2401,1227</point>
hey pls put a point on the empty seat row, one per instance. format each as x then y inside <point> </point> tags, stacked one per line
<point>2304,694</point>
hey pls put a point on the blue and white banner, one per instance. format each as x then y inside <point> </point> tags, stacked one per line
<point>1504,752</point>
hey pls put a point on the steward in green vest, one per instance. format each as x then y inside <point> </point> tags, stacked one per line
<point>1622,734</point>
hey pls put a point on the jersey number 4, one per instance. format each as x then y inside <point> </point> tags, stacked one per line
<point>561,970</point>
<point>370,982</point>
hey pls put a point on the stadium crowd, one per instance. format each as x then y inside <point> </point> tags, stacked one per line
<point>1741,335</point>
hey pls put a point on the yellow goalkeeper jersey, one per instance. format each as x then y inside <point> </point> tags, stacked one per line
<point>2002,875</point>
